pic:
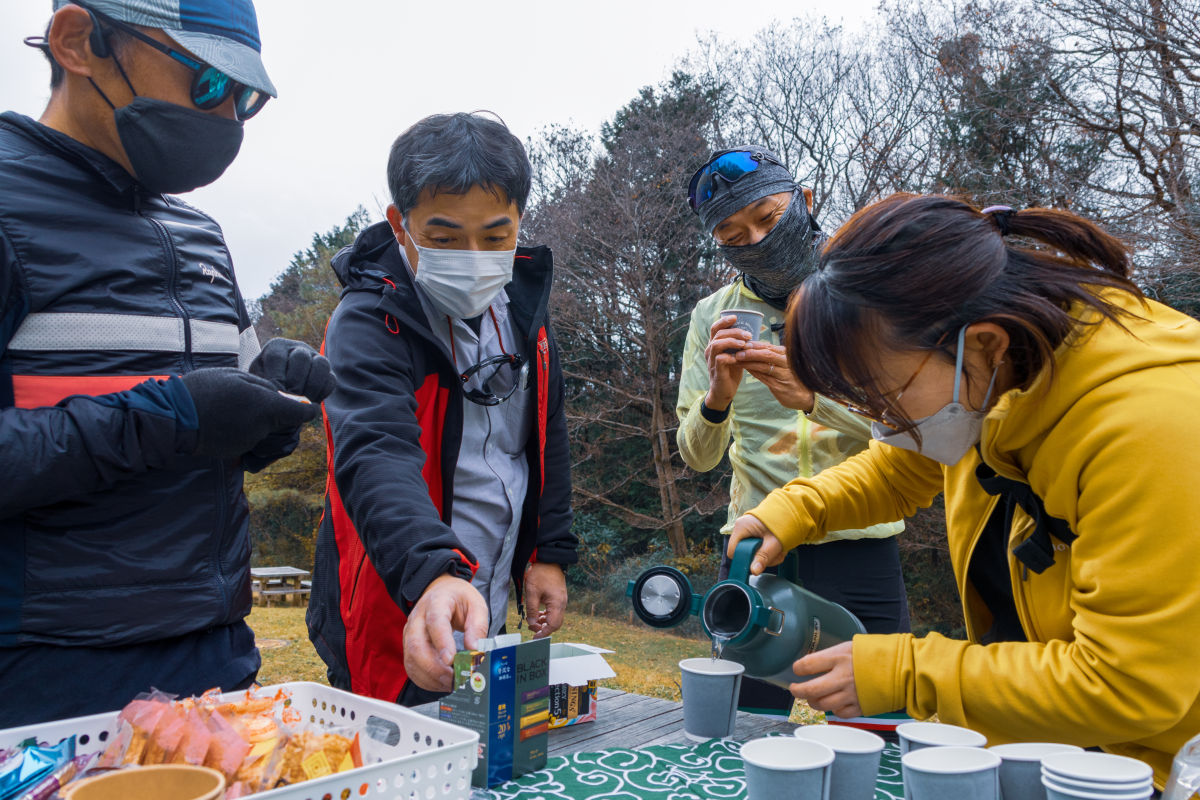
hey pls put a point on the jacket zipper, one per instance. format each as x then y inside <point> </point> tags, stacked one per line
<point>173,294</point>
<point>542,363</point>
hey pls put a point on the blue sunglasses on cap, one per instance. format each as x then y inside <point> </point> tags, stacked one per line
<point>731,166</point>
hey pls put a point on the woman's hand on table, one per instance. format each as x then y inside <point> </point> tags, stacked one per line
<point>768,363</point>
<point>769,554</point>
<point>833,689</point>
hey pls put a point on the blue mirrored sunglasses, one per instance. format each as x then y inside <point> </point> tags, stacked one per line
<point>731,166</point>
<point>210,86</point>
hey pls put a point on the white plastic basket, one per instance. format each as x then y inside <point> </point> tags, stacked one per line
<point>416,757</point>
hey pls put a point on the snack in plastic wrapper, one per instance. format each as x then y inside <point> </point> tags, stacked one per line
<point>227,750</point>
<point>166,737</point>
<point>196,739</point>
<point>308,755</point>
<point>31,763</point>
<point>142,716</point>
<point>49,785</point>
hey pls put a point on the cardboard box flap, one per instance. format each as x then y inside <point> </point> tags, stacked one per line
<point>576,664</point>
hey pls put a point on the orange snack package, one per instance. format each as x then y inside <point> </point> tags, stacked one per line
<point>196,739</point>
<point>141,715</point>
<point>166,738</point>
<point>227,750</point>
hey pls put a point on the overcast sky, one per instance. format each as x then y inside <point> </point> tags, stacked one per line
<point>352,74</point>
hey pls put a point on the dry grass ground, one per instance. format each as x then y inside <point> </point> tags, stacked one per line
<point>646,660</point>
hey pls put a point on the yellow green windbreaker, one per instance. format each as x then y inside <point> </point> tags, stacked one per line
<point>1111,443</point>
<point>771,444</point>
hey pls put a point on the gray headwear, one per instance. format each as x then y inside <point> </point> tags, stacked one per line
<point>223,34</point>
<point>729,198</point>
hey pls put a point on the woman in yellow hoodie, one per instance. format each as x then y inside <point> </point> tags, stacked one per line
<point>1007,360</point>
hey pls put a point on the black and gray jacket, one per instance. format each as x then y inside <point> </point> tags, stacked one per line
<point>108,535</point>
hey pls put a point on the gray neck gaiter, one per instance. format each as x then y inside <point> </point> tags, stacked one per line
<point>773,267</point>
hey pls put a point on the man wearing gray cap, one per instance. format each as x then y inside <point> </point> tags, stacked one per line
<point>733,389</point>
<point>133,392</point>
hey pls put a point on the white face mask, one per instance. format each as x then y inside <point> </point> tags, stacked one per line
<point>462,283</point>
<point>947,435</point>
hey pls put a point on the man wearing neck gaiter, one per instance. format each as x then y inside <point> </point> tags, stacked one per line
<point>736,390</point>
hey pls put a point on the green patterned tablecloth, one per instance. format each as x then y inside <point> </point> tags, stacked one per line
<point>709,771</point>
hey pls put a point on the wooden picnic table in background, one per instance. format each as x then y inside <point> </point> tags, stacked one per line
<point>285,583</point>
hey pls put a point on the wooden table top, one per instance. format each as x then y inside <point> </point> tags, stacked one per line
<point>627,720</point>
<point>278,572</point>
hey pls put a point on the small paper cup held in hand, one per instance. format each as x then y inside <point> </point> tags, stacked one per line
<point>856,763</point>
<point>787,768</point>
<point>710,693</point>
<point>747,319</point>
<point>915,735</point>
<point>951,773</point>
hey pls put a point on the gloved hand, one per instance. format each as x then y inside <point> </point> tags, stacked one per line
<point>237,410</point>
<point>296,368</point>
<point>271,449</point>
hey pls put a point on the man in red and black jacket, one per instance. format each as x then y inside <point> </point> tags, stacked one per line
<point>448,464</point>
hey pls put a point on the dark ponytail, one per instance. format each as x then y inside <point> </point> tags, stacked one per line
<point>907,271</point>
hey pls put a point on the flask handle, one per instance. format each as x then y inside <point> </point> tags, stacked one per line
<point>743,557</point>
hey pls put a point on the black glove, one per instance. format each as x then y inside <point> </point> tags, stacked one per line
<point>237,410</point>
<point>296,368</point>
<point>271,449</point>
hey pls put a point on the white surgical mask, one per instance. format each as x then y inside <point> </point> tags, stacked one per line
<point>462,283</point>
<point>947,435</point>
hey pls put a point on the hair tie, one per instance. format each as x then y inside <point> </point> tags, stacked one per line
<point>1001,217</point>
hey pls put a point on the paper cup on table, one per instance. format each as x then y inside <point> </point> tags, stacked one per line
<point>161,781</point>
<point>1103,768</point>
<point>1061,788</point>
<point>710,693</point>
<point>787,768</point>
<point>951,773</point>
<point>747,320</point>
<point>1021,767</point>
<point>856,759</point>
<point>1096,775</point>
<point>915,735</point>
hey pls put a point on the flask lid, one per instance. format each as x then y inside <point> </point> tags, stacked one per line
<point>662,597</point>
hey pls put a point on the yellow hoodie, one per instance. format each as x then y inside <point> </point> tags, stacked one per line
<point>1111,443</point>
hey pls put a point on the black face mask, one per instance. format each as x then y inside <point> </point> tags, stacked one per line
<point>173,149</point>
<point>777,264</point>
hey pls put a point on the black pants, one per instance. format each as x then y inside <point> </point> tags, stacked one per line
<point>863,575</point>
<point>41,682</point>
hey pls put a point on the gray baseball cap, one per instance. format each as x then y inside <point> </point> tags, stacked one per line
<point>731,197</point>
<point>223,33</point>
